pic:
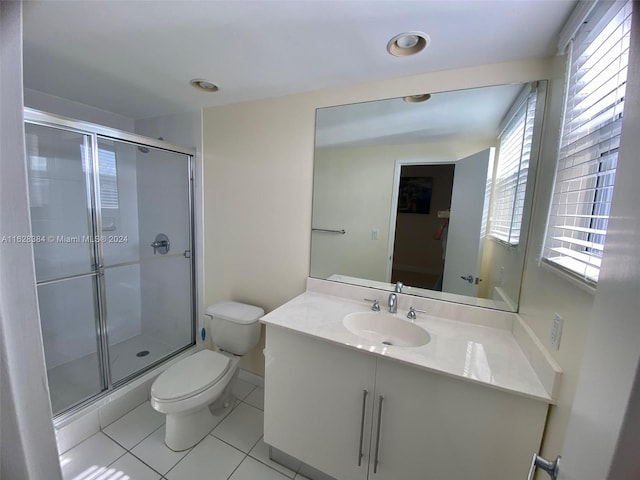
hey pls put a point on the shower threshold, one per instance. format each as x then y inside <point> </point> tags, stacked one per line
<point>78,379</point>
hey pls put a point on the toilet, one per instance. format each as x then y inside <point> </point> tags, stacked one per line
<point>192,391</point>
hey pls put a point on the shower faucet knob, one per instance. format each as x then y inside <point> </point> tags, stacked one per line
<point>161,244</point>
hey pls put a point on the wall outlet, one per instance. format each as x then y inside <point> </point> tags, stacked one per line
<point>374,234</point>
<point>556,331</point>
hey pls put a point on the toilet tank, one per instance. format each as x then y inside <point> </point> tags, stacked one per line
<point>235,327</point>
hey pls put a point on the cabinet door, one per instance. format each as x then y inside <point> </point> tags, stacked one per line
<point>437,428</point>
<point>314,406</point>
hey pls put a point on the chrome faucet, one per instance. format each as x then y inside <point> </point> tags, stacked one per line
<point>399,287</point>
<point>376,305</point>
<point>392,303</point>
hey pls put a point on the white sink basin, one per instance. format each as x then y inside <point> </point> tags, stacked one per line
<point>383,329</point>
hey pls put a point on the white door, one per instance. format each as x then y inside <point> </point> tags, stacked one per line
<point>465,235</point>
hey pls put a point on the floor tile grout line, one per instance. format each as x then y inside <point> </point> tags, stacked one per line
<point>137,443</point>
<point>188,451</point>
<point>224,441</point>
<point>152,468</point>
<point>217,438</point>
<point>237,466</point>
<point>123,415</point>
<point>130,451</point>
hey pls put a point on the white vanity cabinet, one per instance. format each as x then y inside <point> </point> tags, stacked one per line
<point>314,393</point>
<point>431,427</point>
<point>436,427</point>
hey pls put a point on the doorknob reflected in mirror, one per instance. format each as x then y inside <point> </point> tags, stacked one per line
<point>550,467</point>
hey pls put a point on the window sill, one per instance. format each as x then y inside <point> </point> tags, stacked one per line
<point>567,275</point>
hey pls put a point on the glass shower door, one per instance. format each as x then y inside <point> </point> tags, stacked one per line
<point>145,241</point>
<point>60,186</point>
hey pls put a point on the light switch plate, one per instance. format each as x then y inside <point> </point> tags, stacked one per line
<point>556,331</point>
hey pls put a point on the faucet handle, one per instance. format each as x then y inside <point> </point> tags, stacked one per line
<point>412,313</point>
<point>376,304</point>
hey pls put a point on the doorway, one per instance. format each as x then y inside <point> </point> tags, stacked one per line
<point>423,190</point>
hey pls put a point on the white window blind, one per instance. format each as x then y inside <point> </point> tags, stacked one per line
<point>512,168</point>
<point>108,178</point>
<point>597,70</point>
<point>107,163</point>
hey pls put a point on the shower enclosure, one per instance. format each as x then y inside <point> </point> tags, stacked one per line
<point>112,225</point>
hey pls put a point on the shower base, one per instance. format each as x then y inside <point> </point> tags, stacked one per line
<point>74,381</point>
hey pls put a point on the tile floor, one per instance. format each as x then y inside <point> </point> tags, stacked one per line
<point>132,448</point>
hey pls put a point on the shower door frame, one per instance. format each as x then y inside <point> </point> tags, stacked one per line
<point>92,178</point>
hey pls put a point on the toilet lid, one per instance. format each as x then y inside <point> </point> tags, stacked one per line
<point>190,376</point>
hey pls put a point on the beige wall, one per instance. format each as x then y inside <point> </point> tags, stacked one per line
<point>258,167</point>
<point>544,292</point>
<point>352,191</point>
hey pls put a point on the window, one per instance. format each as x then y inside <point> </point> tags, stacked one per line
<point>579,213</point>
<point>107,163</point>
<point>108,178</point>
<point>511,172</point>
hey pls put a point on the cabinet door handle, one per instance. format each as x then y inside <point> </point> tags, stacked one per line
<point>364,407</point>
<point>376,461</point>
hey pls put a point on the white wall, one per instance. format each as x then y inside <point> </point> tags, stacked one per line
<point>27,443</point>
<point>258,174</point>
<point>79,111</point>
<point>544,292</point>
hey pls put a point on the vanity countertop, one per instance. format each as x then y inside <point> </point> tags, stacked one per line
<point>481,354</point>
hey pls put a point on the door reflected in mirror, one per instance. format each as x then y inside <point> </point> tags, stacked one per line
<point>435,194</point>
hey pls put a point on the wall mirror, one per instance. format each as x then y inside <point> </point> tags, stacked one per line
<point>432,190</point>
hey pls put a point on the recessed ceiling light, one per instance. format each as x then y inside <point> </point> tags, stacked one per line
<point>408,43</point>
<point>204,85</point>
<point>423,97</point>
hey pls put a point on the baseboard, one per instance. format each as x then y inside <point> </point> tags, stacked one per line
<point>252,378</point>
<point>296,465</point>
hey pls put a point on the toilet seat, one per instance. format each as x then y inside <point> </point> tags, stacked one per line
<point>190,376</point>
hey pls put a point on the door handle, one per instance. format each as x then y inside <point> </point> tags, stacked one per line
<point>376,456</point>
<point>468,278</point>
<point>552,468</point>
<point>364,408</point>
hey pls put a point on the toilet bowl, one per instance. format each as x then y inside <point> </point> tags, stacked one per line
<point>193,392</point>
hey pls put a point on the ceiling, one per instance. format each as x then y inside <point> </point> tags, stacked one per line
<point>136,58</point>
<point>472,114</point>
